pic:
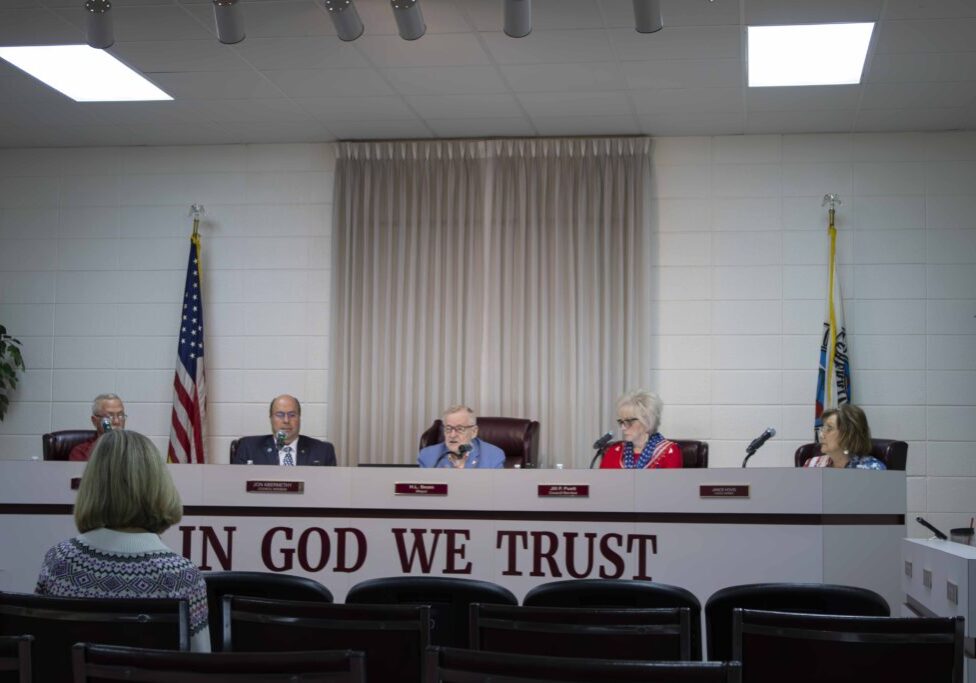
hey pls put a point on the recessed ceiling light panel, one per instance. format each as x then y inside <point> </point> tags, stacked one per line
<point>83,73</point>
<point>813,54</point>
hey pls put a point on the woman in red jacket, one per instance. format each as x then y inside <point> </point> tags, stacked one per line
<point>642,447</point>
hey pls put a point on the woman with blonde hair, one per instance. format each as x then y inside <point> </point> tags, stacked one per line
<point>126,500</point>
<point>643,446</point>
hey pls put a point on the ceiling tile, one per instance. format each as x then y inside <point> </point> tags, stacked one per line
<point>916,95</point>
<point>459,49</point>
<point>772,12</point>
<point>693,123</point>
<point>36,27</point>
<point>215,85</point>
<point>587,125</point>
<point>936,35</point>
<point>278,132</point>
<point>326,82</point>
<point>440,16</point>
<point>464,106</point>
<point>620,13</point>
<point>679,42</point>
<point>812,98</point>
<point>689,99</point>
<point>481,128</point>
<point>445,80</point>
<point>929,9</point>
<point>178,55</point>
<point>328,109</point>
<point>301,53</point>
<point>553,47</point>
<point>157,22</point>
<point>379,130</point>
<point>284,18</point>
<point>595,77</point>
<point>684,73</point>
<point>911,119</point>
<point>921,66</point>
<point>555,105</point>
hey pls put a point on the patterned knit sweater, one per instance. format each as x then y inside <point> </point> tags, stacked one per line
<point>103,563</point>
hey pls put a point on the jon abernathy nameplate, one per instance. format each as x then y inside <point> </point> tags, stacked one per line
<point>262,486</point>
<point>723,490</point>
<point>419,489</point>
<point>564,490</point>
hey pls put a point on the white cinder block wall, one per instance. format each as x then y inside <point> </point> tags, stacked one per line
<point>93,245</point>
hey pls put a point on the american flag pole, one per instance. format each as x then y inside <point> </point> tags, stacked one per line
<point>188,428</point>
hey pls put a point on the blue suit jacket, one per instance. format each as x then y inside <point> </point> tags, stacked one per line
<point>260,450</point>
<point>483,455</point>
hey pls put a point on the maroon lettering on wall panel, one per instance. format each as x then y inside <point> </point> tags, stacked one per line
<point>724,490</point>
<point>275,487</point>
<point>564,490</point>
<point>417,489</point>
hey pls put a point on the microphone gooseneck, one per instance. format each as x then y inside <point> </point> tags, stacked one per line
<point>757,443</point>
<point>600,445</point>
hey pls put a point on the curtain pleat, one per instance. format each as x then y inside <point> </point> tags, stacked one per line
<point>509,275</point>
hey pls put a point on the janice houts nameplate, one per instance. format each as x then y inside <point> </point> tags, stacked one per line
<point>723,490</point>
<point>564,490</point>
<point>419,489</point>
<point>264,486</point>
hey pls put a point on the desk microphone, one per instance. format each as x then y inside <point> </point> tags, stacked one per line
<point>106,424</point>
<point>938,534</point>
<point>462,449</point>
<point>599,446</point>
<point>757,443</point>
<point>280,439</point>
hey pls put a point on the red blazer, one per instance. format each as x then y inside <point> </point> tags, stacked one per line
<point>668,455</point>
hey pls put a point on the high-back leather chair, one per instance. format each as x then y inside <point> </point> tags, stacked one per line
<point>58,623</point>
<point>257,585</point>
<point>449,598</point>
<point>693,453</point>
<point>58,445</point>
<point>812,648</point>
<point>892,453</point>
<point>15,659</point>
<point>619,593</point>
<point>100,663</point>
<point>809,598</point>
<point>518,437</point>
<point>450,665</point>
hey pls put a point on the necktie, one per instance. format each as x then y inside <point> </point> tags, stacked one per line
<point>287,461</point>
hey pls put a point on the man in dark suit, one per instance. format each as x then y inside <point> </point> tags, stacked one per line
<point>284,446</point>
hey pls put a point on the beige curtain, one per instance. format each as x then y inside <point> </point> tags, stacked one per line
<point>509,275</point>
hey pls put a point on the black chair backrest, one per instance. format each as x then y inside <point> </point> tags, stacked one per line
<point>450,665</point>
<point>518,437</point>
<point>809,598</point>
<point>58,445</point>
<point>662,634</point>
<point>619,593</point>
<point>448,598</point>
<point>393,637</point>
<point>893,453</point>
<point>257,585</point>
<point>15,659</point>
<point>104,663</point>
<point>808,648</point>
<point>693,453</point>
<point>59,623</point>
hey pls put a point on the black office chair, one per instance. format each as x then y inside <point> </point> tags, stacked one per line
<point>592,632</point>
<point>808,598</point>
<point>256,585</point>
<point>59,623</point>
<point>619,593</point>
<point>450,665</point>
<point>813,648</point>
<point>893,453</point>
<point>101,663</point>
<point>448,598</point>
<point>15,659</point>
<point>393,637</point>
<point>58,445</point>
<point>517,437</point>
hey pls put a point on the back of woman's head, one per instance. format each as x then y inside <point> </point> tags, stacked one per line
<point>126,485</point>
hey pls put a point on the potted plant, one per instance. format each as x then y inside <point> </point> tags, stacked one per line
<point>10,360</point>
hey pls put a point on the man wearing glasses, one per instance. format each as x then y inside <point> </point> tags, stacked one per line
<point>284,446</point>
<point>461,447</point>
<point>107,413</point>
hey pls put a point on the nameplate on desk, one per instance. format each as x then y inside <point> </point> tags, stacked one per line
<point>723,490</point>
<point>564,490</point>
<point>75,483</point>
<point>419,489</point>
<point>262,486</point>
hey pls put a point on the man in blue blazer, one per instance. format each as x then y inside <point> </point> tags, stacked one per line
<point>461,447</point>
<point>284,446</point>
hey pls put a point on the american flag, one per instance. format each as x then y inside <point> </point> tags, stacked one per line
<point>188,432</point>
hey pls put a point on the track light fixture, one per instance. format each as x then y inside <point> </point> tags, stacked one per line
<point>409,20</point>
<point>99,33</point>
<point>518,18</point>
<point>345,18</point>
<point>229,20</point>
<point>647,16</point>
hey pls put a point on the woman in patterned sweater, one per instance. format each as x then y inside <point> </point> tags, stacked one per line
<point>126,499</point>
